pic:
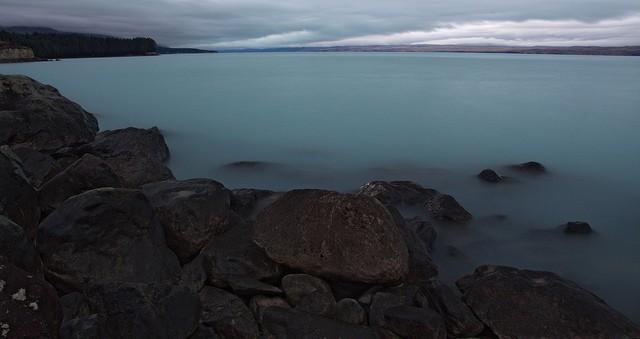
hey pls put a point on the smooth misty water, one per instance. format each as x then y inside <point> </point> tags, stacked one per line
<point>337,121</point>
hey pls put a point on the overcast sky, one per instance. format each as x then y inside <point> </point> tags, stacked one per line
<point>269,23</point>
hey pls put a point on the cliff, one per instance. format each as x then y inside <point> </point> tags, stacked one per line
<point>11,53</point>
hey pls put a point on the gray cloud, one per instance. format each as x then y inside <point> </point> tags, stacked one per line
<point>261,23</point>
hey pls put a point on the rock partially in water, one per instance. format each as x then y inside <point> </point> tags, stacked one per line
<point>517,303</point>
<point>85,174</point>
<point>333,235</point>
<point>106,234</point>
<point>38,117</point>
<point>531,167</point>
<point>18,199</point>
<point>136,155</point>
<point>446,207</point>
<point>490,175</point>
<point>29,305</point>
<point>397,192</point>
<point>190,211</point>
<point>577,227</point>
<point>19,250</point>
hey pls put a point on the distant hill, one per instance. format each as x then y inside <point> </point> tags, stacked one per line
<point>26,29</point>
<point>168,50</point>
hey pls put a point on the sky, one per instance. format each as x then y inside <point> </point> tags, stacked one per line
<point>230,24</point>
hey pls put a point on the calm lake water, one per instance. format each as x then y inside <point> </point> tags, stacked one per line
<point>338,120</point>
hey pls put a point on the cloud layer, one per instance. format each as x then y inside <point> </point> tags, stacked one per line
<point>262,23</point>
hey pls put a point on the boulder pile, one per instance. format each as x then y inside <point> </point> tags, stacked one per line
<point>99,240</point>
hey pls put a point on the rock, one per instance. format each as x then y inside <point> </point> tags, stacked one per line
<point>507,299</point>
<point>424,230</point>
<point>190,211</point>
<point>445,207</point>
<point>74,306</point>
<point>106,234</point>
<point>397,192</point>
<point>414,322</point>
<point>421,268</point>
<point>19,250</point>
<point>194,275</point>
<point>248,287</point>
<point>295,324</point>
<point>381,302</point>
<point>38,167</point>
<point>30,306</point>
<point>577,227</point>
<point>233,254</point>
<point>490,175</point>
<point>136,155</point>
<point>204,332</point>
<point>319,303</point>
<point>226,314</point>
<point>260,303</point>
<point>85,174</point>
<point>245,200</point>
<point>90,326</point>
<point>249,166</point>
<point>18,200</point>
<point>333,235</point>
<point>459,319</point>
<point>349,311</point>
<point>38,117</point>
<point>531,167</point>
<point>144,310</point>
<point>297,286</point>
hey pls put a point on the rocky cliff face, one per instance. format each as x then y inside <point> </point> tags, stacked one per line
<point>15,53</point>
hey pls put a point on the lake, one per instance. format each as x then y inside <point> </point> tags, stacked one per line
<point>338,120</point>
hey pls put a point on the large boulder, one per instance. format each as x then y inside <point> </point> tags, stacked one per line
<point>85,174</point>
<point>19,250</point>
<point>397,192</point>
<point>29,306</point>
<point>227,314</point>
<point>333,235</point>
<point>37,116</point>
<point>136,155</point>
<point>446,207</point>
<point>190,211</point>
<point>18,199</point>
<point>517,303</point>
<point>106,234</point>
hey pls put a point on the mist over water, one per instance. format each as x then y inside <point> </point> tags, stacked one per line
<point>338,120</point>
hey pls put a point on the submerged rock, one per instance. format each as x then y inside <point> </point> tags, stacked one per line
<point>106,234</point>
<point>333,235</point>
<point>490,175</point>
<point>517,303</point>
<point>38,117</point>
<point>531,167</point>
<point>577,227</point>
<point>397,192</point>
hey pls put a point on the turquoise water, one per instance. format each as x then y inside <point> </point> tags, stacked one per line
<point>338,120</point>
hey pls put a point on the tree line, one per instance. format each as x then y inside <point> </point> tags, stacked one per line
<point>74,45</point>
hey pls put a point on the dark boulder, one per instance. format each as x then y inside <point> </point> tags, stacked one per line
<point>318,302</point>
<point>38,167</point>
<point>260,303</point>
<point>531,167</point>
<point>129,310</point>
<point>247,287</point>
<point>297,286</point>
<point>19,250</point>
<point>397,192</point>
<point>577,227</point>
<point>29,306</point>
<point>136,155</point>
<point>18,199</point>
<point>381,302</point>
<point>490,175</point>
<point>295,324</point>
<point>190,211</point>
<point>517,303</point>
<point>226,314</point>
<point>85,174</point>
<point>333,235</point>
<point>424,230</point>
<point>106,234</point>
<point>415,322</point>
<point>245,200</point>
<point>350,311</point>
<point>459,319</point>
<point>38,117</point>
<point>233,254</point>
<point>445,207</point>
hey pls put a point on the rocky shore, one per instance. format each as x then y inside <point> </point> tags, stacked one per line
<point>99,240</point>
